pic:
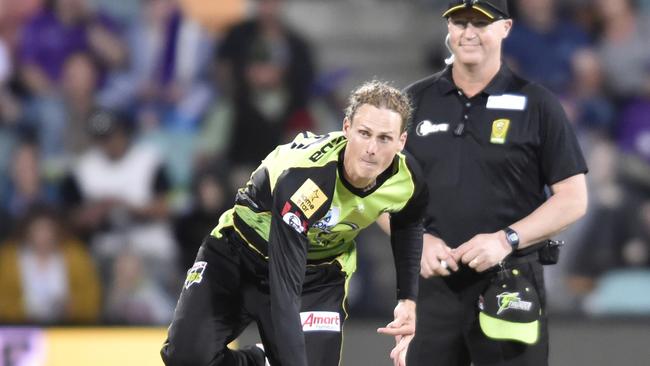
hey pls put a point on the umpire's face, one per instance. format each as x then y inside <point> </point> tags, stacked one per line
<point>374,137</point>
<point>476,39</point>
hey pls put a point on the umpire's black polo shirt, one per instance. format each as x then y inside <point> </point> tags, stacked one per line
<point>488,158</point>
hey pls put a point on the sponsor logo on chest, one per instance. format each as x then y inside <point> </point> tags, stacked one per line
<point>332,217</point>
<point>309,198</point>
<point>426,127</point>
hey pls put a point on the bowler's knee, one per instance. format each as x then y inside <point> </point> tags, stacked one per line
<point>175,356</point>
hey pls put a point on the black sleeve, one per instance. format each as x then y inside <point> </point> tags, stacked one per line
<point>288,246</point>
<point>406,236</point>
<point>560,153</point>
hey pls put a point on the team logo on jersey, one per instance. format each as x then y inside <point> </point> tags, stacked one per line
<point>292,217</point>
<point>309,198</point>
<point>330,220</point>
<point>195,274</point>
<point>327,321</point>
<point>499,131</point>
<point>426,127</point>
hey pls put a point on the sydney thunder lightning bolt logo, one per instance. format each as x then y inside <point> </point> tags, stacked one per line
<point>511,300</point>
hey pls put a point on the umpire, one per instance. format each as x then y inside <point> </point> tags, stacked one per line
<point>505,173</point>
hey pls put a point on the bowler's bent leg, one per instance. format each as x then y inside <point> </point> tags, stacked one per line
<point>209,314</point>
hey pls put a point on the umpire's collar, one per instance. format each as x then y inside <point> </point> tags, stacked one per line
<point>498,85</point>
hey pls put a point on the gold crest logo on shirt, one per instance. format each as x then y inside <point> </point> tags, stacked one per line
<point>499,131</point>
<point>309,198</point>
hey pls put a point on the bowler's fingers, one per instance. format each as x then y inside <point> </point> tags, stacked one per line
<point>400,346</point>
<point>405,329</point>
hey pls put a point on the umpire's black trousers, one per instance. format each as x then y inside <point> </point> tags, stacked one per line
<point>448,331</point>
<point>230,290</point>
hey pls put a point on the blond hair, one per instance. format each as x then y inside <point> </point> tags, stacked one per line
<point>380,94</point>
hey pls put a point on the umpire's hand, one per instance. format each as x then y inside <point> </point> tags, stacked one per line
<point>437,259</point>
<point>483,251</point>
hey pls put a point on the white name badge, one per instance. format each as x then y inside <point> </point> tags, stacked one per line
<point>507,101</point>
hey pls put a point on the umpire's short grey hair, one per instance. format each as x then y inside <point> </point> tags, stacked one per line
<point>380,94</point>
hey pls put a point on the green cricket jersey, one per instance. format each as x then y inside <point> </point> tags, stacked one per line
<point>297,208</point>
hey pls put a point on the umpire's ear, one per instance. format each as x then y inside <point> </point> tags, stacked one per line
<point>507,26</point>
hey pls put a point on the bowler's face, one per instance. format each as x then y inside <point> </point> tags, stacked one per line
<point>374,137</point>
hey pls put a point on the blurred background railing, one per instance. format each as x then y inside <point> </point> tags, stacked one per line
<point>126,126</point>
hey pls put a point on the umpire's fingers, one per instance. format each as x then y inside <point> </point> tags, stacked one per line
<point>433,263</point>
<point>471,254</point>
<point>462,250</point>
<point>451,262</point>
<point>485,265</point>
<point>441,270</point>
<point>425,269</point>
<point>482,267</point>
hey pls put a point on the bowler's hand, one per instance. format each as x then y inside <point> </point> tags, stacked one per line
<point>398,354</point>
<point>402,328</point>
<point>434,252</point>
<point>404,322</point>
<point>483,251</point>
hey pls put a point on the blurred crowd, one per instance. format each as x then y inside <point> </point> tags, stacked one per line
<point>126,127</point>
<point>595,54</point>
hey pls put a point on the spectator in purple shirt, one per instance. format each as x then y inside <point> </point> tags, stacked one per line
<point>62,29</point>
